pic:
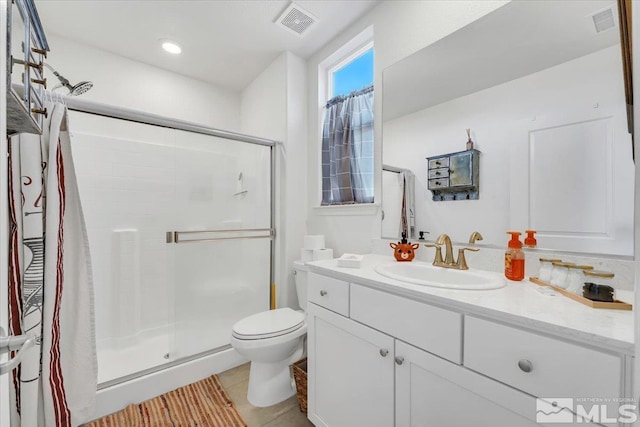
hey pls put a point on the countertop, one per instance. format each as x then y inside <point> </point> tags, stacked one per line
<point>518,303</point>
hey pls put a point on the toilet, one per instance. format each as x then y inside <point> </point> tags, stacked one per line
<point>272,340</point>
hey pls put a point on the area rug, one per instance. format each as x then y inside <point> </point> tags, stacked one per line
<point>201,404</point>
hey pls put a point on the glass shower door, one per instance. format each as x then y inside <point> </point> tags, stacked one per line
<point>220,241</point>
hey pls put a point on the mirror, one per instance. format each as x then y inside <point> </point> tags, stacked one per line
<point>540,85</point>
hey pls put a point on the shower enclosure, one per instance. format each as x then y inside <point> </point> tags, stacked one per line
<point>180,225</point>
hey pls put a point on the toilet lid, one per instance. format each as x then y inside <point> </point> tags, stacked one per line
<point>268,324</point>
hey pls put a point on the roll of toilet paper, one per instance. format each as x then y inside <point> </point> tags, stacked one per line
<point>306,255</point>
<point>314,242</point>
<point>320,254</point>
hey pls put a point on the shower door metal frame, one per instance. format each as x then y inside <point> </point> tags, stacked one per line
<point>98,109</point>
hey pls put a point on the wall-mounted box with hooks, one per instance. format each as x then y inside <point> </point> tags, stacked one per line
<point>454,176</point>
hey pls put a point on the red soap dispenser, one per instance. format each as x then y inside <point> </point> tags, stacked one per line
<point>514,258</point>
<point>530,241</point>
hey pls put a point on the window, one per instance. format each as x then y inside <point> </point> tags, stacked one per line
<point>347,134</point>
<point>355,74</point>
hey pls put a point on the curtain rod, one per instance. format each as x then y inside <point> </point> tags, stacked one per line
<point>90,107</point>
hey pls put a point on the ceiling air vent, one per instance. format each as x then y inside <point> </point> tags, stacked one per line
<point>604,20</point>
<point>296,19</point>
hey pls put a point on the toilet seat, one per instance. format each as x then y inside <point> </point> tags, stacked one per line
<point>268,324</point>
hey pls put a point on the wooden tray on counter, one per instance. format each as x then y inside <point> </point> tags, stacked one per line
<point>616,305</point>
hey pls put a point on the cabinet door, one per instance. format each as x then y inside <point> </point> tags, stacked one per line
<point>461,169</point>
<point>350,372</point>
<point>433,392</point>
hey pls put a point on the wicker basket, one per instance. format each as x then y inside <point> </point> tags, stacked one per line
<point>299,369</point>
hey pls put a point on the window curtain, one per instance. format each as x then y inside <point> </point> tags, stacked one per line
<point>347,149</point>
<point>50,281</point>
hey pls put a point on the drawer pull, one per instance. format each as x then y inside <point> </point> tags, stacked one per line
<point>525,365</point>
<point>399,360</point>
<point>384,352</point>
<point>323,293</point>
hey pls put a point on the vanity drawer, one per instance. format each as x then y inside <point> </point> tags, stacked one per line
<point>430,328</point>
<point>438,173</point>
<point>437,184</point>
<point>556,368</point>
<point>440,162</point>
<point>332,294</point>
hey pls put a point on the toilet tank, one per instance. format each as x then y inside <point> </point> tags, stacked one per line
<point>300,274</point>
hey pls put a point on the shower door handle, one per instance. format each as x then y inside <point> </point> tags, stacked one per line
<point>21,343</point>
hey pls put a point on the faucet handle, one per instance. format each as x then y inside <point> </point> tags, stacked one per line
<point>462,261</point>
<point>438,258</point>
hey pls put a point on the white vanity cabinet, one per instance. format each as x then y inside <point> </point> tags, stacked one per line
<point>389,360</point>
<point>350,372</point>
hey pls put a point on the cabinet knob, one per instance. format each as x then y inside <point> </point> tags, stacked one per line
<point>384,352</point>
<point>525,365</point>
<point>399,360</point>
<point>323,293</point>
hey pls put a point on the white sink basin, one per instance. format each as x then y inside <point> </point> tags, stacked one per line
<point>427,275</point>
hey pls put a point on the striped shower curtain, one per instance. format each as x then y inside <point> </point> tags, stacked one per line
<point>50,283</point>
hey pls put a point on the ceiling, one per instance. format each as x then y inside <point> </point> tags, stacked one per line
<point>225,42</point>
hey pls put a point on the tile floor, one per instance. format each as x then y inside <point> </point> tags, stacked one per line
<point>285,414</point>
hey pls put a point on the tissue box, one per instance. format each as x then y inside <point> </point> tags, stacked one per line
<point>350,260</point>
<point>314,242</point>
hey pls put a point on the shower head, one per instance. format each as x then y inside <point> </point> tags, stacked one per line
<point>74,90</point>
<point>80,88</point>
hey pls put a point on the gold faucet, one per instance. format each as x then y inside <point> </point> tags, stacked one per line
<point>445,240</point>
<point>460,264</point>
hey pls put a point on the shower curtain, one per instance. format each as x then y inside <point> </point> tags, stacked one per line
<point>50,283</point>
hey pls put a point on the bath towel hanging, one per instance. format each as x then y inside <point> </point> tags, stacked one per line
<point>407,215</point>
<point>50,285</point>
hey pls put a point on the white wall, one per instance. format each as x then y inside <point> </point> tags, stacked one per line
<point>400,28</point>
<point>501,119</point>
<point>273,106</point>
<point>130,84</point>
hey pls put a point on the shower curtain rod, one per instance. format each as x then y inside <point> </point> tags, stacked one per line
<point>83,106</point>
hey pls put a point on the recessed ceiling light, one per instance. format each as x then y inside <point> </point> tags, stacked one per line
<point>171,47</point>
